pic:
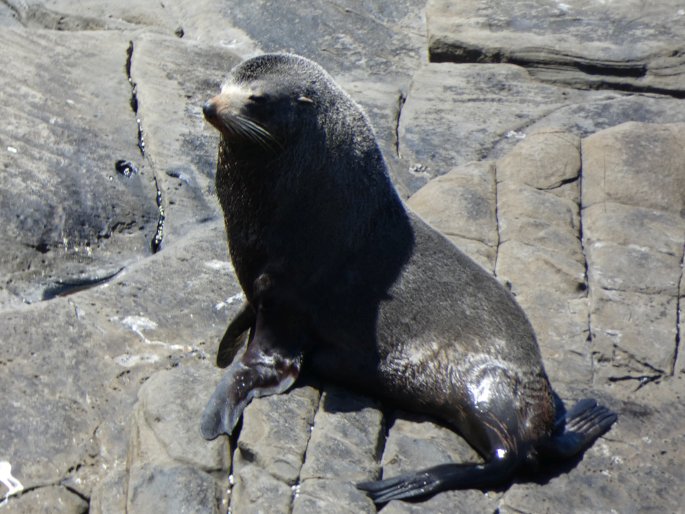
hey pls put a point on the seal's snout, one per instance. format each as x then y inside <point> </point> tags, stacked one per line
<point>209,110</point>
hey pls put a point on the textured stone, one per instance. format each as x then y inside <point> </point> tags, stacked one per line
<point>545,160</point>
<point>180,147</point>
<point>109,496</point>
<point>47,500</point>
<point>346,438</point>
<point>334,496</point>
<point>633,46</point>
<point>540,254</point>
<point>276,431</point>
<point>61,135</point>
<point>637,330</point>
<point>167,406</point>
<point>462,205</point>
<point>493,102</point>
<point>415,442</point>
<point>256,490</point>
<point>636,164</point>
<point>181,489</point>
<point>633,199</point>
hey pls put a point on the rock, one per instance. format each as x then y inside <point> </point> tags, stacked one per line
<point>167,403</point>
<point>169,464</point>
<point>109,496</point>
<point>43,408</point>
<point>574,43</point>
<point>275,433</point>
<point>333,496</point>
<point>494,102</point>
<point>345,442</point>
<point>256,490</point>
<point>47,500</point>
<point>462,205</point>
<point>540,255</point>
<point>62,135</point>
<point>182,489</point>
<point>172,79</point>
<point>545,160</point>
<point>271,448</point>
<point>415,442</point>
<point>633,198</point>
<point>632,164</point>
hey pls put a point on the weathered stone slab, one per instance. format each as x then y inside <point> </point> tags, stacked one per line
<point>637,330</point>
<point>598,113</point>
<point>334,496</point>
<point>540,255</point>
<point>462,205</point>
<point>276,431</point>
<point>49,419</point>
<point>455,113</point>
<point>172,489</point>
<point>634,235</point>
<point>346,439</point>
<point>633,46</point>
<point>180,148</point>
<point>167,455</point>
<point>47,500</point>
<point>415,442</point>
<point>636,164</point>
<point>541,219</point>
<point>271,449</point>
<point>167,407</point>
<point>545,159</point>
<point>109,496</point>
<point>338,36</point>
<point>257,490</point>
<point>70,216</point>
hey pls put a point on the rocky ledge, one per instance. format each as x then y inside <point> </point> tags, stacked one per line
<point>546,139</point>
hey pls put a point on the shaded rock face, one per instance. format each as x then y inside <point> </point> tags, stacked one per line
<point>547,142</point>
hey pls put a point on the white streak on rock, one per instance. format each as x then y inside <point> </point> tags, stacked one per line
<point>13,485</point>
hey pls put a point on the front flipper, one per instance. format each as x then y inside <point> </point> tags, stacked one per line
<point>236,335</point>
<point>269,364</point>
<point>441,478</point>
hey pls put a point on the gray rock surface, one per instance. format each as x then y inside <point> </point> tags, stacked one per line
<point>115,285</point>
<point>632,46</point>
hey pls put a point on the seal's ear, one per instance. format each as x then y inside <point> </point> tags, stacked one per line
<point>305,100</point>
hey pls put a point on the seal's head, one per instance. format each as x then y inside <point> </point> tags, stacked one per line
<point>266,103</point>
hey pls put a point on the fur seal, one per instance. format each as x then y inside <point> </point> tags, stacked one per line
<point>340,277</point>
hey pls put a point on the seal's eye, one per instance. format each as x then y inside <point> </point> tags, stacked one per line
<point>258,98</point>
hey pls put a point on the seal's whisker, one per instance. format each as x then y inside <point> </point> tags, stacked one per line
<point>257,133</point>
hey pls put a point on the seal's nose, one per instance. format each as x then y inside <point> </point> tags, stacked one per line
<point>209,109</point>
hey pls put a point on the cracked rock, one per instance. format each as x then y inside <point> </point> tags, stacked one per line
<point>633,200</point>
<point>48,500</point>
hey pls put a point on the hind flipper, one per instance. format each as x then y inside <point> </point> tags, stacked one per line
<point>236,335</point>
<point>441,478</point>
<point>578,429</point>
